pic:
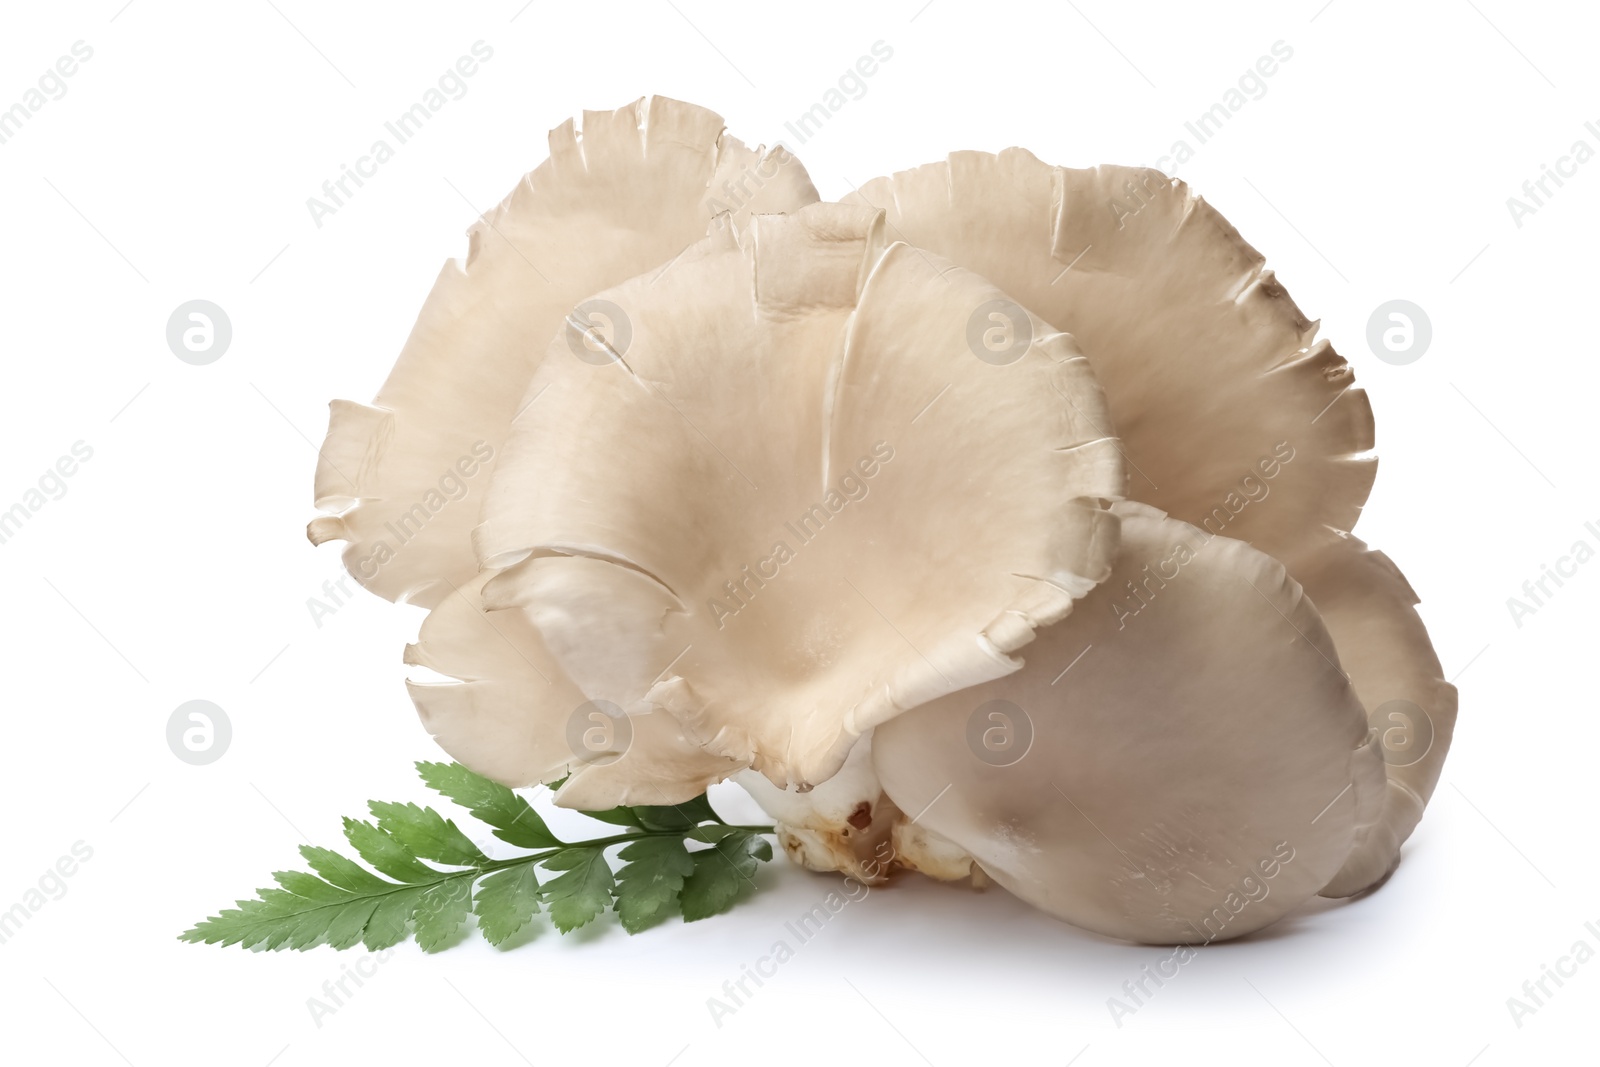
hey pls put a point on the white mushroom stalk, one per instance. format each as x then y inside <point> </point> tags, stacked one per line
<point>702,478</point>
<point>845,824</point>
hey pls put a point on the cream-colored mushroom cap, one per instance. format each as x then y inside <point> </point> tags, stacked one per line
<point>1370,611</point>
<point>788,501</point>
<point>402,479</point>
<point>1210,370</point>
<point>1181,760</point>
<point>407,477</point>
<point>510,713</point>
<point>1232,416</point>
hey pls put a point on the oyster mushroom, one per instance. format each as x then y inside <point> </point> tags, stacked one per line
<point>404,479</point>
<point>785,511</point>
<point>1209,368</point>
<point>1370,611</point>
<point>1185,773</point>
<point>736,518</point>
<point>1232,417</point>
<point>510,713</point>
<point>625,193</point>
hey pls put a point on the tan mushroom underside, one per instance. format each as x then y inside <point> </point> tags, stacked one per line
<point>507,714</point>
<point>798,504</point>
<point>1198,763</point>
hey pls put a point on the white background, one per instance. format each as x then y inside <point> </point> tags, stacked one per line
<point>1377,166</point>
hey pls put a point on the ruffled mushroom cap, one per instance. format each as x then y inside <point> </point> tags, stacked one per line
<point>793,502</point>
<point>1370,611</point>
<point>513,715</point>
<point>1232,418</point>
<point>402,478</point>
<point>625,194</point>
<point>1209,368</point>
<point>1181,760</point>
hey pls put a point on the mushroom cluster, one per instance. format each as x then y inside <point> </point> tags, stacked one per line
<point>991,523</point>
